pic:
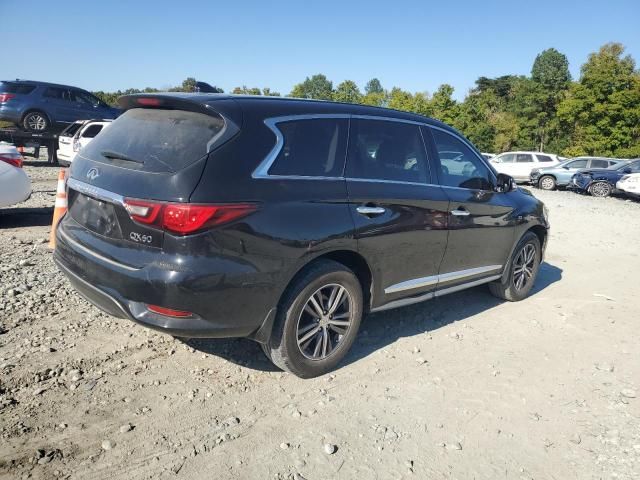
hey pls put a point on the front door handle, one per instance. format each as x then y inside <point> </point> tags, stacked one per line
<point>370,211</point>
<point>460,212</point>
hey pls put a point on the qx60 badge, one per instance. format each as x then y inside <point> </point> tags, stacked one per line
<point>93,173</point>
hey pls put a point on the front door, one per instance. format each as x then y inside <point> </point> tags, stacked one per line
<point>481,221</point>
<point>399,215</point>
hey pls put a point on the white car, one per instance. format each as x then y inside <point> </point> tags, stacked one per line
<point>630,184</point>
<point>15,185</point>
<point>76,136</point>
<point>519,164</point>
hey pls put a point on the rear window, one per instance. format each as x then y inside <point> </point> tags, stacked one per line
<point>312,148</point>
<point>21,88</point>
<point>156,140</point>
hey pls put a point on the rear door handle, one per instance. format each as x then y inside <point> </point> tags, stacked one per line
<point>364,210</point>
<point>460,212</point>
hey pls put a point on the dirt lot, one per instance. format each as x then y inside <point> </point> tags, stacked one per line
<point>460,387</point>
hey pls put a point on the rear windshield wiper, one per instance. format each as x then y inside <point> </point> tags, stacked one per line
<point>119,156</point>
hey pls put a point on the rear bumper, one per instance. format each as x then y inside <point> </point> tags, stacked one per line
<point>223,304</point>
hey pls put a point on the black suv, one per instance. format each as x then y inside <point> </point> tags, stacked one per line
<point>284,220</point>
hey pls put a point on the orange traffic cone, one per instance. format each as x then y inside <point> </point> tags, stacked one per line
<point>60,207</point>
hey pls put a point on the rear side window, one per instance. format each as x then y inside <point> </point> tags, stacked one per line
<point>20,88</point>
<point>544,158</point>
<point>58,94</point>
<point>91,131</point>
<point>382,150</point>
<point>156,140</point>
<point>524,158</point>
<point>312,148</point>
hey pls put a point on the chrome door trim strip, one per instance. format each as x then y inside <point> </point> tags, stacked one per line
<point>403,302</point>
<point>435,279</point>
<point>88,251</point>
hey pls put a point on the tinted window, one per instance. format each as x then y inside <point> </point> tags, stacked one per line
<point>57,93</point>
<point>599,164</point>
<point>578,164</point>
<point>544,158</point>
<point>507,158</point>
<point>91,131</point>
<point>384,150</point>
<point>466,169</point>
<point>524,158</point>
<point>635,167</point>
<point>165,140</point>
<point>21,88</point>
<point>613,162</point>
<point>82,97</point>
<point>71,130</point>
<point>313,148</point>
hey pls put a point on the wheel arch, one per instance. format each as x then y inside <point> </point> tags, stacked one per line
<point>539,231</point>
<point>349,258</point>
<point>35,109</point>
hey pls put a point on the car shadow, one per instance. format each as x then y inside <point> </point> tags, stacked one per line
<point>378,330</point>
<point>25,217</point>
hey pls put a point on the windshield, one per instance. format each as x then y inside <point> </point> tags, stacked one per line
<point>156,140</point>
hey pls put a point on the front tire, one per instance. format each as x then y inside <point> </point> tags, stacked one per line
<point>523,270</point>
<point>547,182</point>
<point>36,122</point>
<point>600,189</point>
<point>317,321</point>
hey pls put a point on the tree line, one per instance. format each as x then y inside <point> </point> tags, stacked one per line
<point>598,114</point>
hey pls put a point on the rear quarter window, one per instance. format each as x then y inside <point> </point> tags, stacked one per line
<point>19,88</point>
<point>312,148</point>
<point>157,140</point>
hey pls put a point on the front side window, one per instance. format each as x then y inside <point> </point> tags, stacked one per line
<point>386,150</point>
<point>544,158</point>
<point>524,158</point>
<point>635,167</point>
<point>578,164</point>
<point>312,148</point>
<point>85,98</point>
<point>507,158</point>
<point>464,170</point>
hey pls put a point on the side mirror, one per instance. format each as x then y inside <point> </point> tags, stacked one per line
<point>505,183</point>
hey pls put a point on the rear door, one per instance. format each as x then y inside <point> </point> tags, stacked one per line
<point>399,215</point>
<point>60,105</point>
<point>480,220</point>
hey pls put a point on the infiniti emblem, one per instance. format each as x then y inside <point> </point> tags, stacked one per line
<point>93,173</point>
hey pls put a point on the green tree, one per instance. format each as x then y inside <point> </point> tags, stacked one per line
<point>373,86</point>
<point>443,106</point>
<point>347,92</point>
<point>316,87</point>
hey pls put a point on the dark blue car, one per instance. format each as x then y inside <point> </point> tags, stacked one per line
<point>601,182</point>
<point>41,106</point>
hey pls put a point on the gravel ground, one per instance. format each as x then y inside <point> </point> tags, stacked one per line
<point>464,386</point>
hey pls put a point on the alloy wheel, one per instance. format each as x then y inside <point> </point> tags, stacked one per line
<point>600,189</point>
<point>523,266</point>
<point>547,183</point>
<point>324,321</point>
<point>36,122</point>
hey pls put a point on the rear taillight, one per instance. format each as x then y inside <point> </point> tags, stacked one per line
<point>5,97</point>
<point>185,218</point>
<point>14,159</point>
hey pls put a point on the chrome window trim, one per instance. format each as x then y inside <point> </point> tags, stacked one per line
<point>437,279</point>
<point>88,251</point>
<point>95,192</point>
<point>399,182</point>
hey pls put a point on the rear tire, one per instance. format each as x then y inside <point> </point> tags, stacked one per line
<point>600,189</point>
<point>547,182</point>
<point>317,321</point>
<point>523,270</point>
<point>36,121</point>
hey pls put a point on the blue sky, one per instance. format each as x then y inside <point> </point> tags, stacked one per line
<point>416,45</point>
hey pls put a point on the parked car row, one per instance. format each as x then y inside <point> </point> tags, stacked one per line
<point>76,136</point>
<point>602,182</point>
